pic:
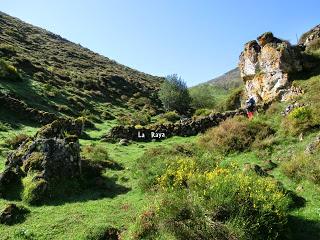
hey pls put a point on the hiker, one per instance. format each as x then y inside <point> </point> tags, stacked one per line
<point>251,107</point>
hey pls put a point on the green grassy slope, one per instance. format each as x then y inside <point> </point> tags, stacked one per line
<point>50,73</point>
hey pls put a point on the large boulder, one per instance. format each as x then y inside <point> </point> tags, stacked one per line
<point>265,66</point>
<point>46,160</point>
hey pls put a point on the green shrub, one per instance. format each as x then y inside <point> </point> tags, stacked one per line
<point>95,153</point>
<point>298,121</point>
<point>174,94</point>
<point>302,166</point>
<point>257,206</point>
<point>223,203</point>
<point>4,127</point>
<point>136,118</point>
<point>152,164</point>
<point>234,135</point>
<point>178,216</point>
<point>202,112</point>
<point>8,72</point>
<point>171,116</point>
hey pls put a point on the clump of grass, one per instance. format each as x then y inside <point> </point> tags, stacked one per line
<point>8,72</point>
<point>171,116</point>
<point>16,140</point>
<point>234,99</point>
<point>33,190</point>
<point>136,118</point>
<point>299,120</point>
<point>95,153</point>
<point>302,166</point>
<point>103,232</point>
<point>202,112</point>
<point>4,127</point>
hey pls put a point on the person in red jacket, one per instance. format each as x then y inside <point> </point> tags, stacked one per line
<point>251,107</point>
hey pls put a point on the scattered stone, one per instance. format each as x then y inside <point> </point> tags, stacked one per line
<point>13,214</point>
<point>265,67</point>
<point>258,170</point>
<point>291,93</point>
<point>124,142</point>
<point>313,146</point>
<point>269,166</point>
<point>299,188</point>
<point>255,168</point>
<point>291,107</point>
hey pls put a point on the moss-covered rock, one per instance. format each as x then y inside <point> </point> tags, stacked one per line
<point>13,214</point>
<point>45,161</point>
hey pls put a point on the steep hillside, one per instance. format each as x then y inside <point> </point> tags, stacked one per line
<point>227,81</point>
<point>43,71</point>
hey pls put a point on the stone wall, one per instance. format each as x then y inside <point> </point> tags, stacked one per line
<point>22,109</point>
<point>187,127</point>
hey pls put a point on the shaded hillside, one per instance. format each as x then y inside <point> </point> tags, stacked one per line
<point>44,71</point>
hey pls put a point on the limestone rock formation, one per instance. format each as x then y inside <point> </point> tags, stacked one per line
<point>49,158</point>
<point>265,66</point>
<point>310,37</point>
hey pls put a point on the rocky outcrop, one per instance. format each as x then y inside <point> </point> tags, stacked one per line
<point>310,37</point>
<point>187,127</point>
<point>265,66</point>
<point>49,158</point>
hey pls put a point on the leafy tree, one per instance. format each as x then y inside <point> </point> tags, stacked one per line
<point>174,94</point>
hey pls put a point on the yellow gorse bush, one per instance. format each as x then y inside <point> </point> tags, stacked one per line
<point>225,185</point>
<point>178,173</point>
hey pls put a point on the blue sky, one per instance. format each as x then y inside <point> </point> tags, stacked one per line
<point>197,39</point>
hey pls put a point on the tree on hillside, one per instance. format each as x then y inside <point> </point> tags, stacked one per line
<point>174,94</point>
<point>202,97</point>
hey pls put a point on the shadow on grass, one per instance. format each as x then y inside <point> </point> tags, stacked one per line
<point>98,188</point>
<point>304,229</point>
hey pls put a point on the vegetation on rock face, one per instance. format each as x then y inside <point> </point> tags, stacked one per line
<point>174,94</point>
